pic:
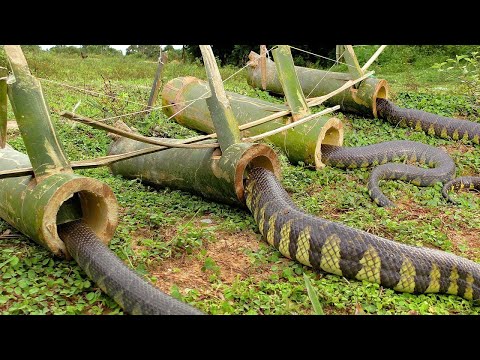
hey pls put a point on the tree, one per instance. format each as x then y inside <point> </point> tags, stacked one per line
<point>148,51</point>
<point>100,50</point>
<point>238,54</point>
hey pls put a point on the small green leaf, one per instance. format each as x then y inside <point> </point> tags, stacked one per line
<point>317,307</point>
<point>90,296</point>
<point>14,261</point>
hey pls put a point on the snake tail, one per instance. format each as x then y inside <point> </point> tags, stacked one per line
<point>341,250</point>
<point>432,124</point>
<point>463,182</point>
<point>134,295</point>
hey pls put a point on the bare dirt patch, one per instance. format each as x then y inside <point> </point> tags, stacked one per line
<point>228,251</point>
<point>457,147</point>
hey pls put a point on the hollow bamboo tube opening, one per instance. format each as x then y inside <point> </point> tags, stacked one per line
<point>258,155</point>
<point>381,92</point>
<point>330,134</point>
<point>98,205</point>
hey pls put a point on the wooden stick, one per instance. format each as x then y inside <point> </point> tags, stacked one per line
<point>3,107</point>
<point>42,144</point>
<point>320,99</point>
<point>374,57</point>
<point>221,112</point>
<point>291,125</point>
<point>263,65</point>
<point>89,163</point>
<point>287,76</point>
<point>157,81</point>
<point>351,59</point>
<point>130,135</point>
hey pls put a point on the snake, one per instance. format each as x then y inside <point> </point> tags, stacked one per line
<point>463,182</point>
<point>442,167</point>
<point>135,295</point>
<point>432,124</point>
<point>338,249</point>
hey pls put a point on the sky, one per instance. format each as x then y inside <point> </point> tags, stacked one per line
<point>123,48</point>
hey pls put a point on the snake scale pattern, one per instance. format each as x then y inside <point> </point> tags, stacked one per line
<point>432,124</point>
<point>442,166</point>
<point>135,295</point>
<point>338,249</point>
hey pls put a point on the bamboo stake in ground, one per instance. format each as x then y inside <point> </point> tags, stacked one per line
<point>3,107</point>
<point>157,81</point>
<point>263,65</point>
<point>226,125</point>
<point>290,83</point>
<point>45,151</point>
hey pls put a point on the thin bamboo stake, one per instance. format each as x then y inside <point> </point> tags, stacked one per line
<point>263,65</point>
<point>43,147</point>
<point>130,135</point>
<point>157,81</point>
<point>3,107</point>
<point>218,104</point>
<point>291,85</point>
<point>291,125</point>
<point>351,59</point>
<point>374,57</point>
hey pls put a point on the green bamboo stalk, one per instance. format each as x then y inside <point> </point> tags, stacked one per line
<point>301,143</point>
<point>290,83</point>
<point>36,209</point>
<point>361,100</point>
<point>200,171</point>
<point>43,147</point>
<point>3,107</point>
<point>223,118</point>
<point>157,81</point>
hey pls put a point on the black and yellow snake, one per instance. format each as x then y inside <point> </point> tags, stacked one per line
<point>442,165</point>
<point>135,295</point>
<point>338,249</point>
<point>432,124</point>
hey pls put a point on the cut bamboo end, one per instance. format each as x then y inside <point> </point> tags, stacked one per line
<point>99,211</point>
<point>257,155</point>
<point>331,133</point>
<point>381,92</point>
<point>176,87</point>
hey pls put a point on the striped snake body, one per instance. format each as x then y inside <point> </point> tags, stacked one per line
<point>338,249</point>
<point>134,294</point>
<point>442,166</point>
<point>432,124</point>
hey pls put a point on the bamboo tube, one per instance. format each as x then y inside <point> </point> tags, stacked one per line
<point>45,151</point>
<point>300,144</point>
<point>36,209</point>
<point>361,100</point>
<point>200,171</point>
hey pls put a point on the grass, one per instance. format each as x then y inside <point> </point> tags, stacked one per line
<point>210,255</point>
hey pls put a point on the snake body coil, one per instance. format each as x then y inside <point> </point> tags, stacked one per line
<point>442,165</point>
<point>338,249</point>
<point>432,124</point>
<point>135,295</point>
